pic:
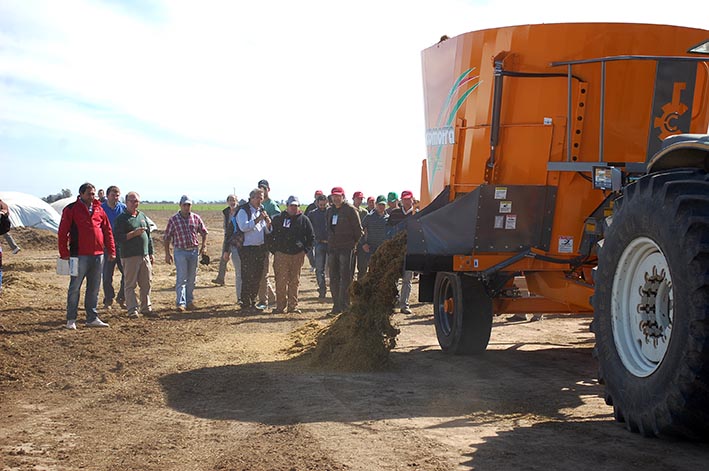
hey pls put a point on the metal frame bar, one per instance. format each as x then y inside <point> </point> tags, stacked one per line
<point>626,58</point>
<point>568,113</point>
<point>601,127</point>
<point>570,166</point>
<point>632,167</point>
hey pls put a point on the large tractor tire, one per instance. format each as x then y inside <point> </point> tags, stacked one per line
<point>462,313</point>
<point>652,306</point>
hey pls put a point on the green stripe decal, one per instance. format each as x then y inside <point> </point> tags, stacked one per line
<point>460,82</point>
<point>451,93</point>
<point>459,103</point>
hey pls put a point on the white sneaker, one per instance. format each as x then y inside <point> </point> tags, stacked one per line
<point>15,250</point>
<point>71,325</point>
<point>96,323</point>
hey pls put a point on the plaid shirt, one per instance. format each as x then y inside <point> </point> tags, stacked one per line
<point>183,232</point>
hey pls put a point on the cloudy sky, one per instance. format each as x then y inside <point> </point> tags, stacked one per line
<point>203,97</point>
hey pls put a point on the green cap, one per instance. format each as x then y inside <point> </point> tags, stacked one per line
<point>392,196</point>
<point>381,199</point>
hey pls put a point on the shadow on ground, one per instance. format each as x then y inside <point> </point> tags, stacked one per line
<point>582,445</point>
<point>419,384</point>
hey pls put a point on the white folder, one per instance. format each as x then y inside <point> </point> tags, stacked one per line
<point>68,267</point>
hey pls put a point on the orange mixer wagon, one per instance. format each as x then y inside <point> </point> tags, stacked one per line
<point>566,172</point>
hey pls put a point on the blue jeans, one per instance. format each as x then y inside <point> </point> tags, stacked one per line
<point>186,267</point>
<point>320,250</point>
<point>11,241</point>
<point>89,268</point>
<point>340,265</point>
<point>108,292</point>
<point>360,260</point>
<point>311,257</point>
<point>406,277</point>
<point>367,256</point>
<point>236,260</point>
<point>222,270</point>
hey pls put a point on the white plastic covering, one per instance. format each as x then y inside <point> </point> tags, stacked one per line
<point>30,211</point>
<point>153,226</point>
<point>59,205</point>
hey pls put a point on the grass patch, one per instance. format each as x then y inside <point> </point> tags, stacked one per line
<point>196,207</point>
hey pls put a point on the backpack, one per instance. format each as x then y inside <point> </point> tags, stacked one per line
<point>237,237</point>
<point>4,223</point>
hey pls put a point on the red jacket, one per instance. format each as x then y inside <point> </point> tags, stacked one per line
<point>84,233</point>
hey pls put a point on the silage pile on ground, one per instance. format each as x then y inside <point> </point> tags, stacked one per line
<point>31,238</point>
<point>360,338</point>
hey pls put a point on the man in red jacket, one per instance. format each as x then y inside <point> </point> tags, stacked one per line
<point>84,232</point>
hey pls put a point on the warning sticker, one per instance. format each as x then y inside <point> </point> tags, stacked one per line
<point>505,207</point>
<point>566,244</point>
<point>499,222</point>
<point>500,192</point>
<point>511,221</point>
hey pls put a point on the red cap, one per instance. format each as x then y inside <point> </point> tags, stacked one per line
<point>358,194</point>
<point>337,191</point>
<point>318,192</point>
<point>406,194</point>
<point>371,198</point>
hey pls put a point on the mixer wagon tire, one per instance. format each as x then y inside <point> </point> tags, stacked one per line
<point>462,312</point>
<point>651,306</point>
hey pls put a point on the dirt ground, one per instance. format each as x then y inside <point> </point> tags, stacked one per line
<point>215,389</point>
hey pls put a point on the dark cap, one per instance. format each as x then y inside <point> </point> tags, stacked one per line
<point>264,184</point>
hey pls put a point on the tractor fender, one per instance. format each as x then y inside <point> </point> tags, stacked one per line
<point>681,151</point>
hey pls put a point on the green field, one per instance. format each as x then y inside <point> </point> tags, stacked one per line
<point>176,207</point>
<point>197,207</point>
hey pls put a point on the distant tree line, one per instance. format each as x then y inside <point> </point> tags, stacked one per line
<point>65,193</point>
<point>176,203</point>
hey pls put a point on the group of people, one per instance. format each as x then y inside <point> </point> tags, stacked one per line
<point>331,232</point>
<point>101,236</point>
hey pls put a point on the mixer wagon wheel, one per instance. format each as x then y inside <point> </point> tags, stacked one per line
<point>652,306</point>
<point>462,313</point>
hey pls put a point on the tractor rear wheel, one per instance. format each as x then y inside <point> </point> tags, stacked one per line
<point>651,306</point>
<point>462,313</point>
